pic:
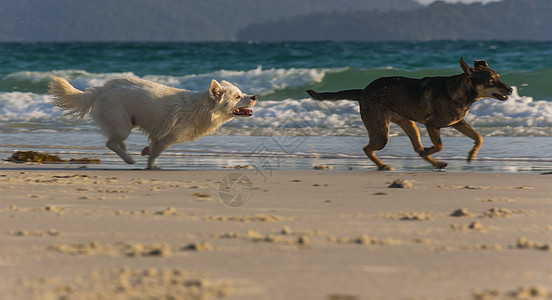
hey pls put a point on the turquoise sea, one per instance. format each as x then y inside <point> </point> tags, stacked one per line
<point>288,131</point>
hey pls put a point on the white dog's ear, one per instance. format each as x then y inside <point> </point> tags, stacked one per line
<point>215,89</point>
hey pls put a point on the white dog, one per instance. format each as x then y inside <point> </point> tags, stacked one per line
<point>168,115</point>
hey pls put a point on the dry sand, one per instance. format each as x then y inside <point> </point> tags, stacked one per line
<point>100,234</point>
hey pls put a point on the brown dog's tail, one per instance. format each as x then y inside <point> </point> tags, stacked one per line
<point>334,96</point>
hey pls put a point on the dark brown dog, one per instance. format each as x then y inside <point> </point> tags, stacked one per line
<point>436,102</point>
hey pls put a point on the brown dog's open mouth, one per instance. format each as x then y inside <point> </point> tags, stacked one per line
<point>242,112</point>
<point>500,97</point>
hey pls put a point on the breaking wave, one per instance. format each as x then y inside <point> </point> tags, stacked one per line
<point>284,107</point>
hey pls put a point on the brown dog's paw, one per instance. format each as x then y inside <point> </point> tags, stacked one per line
<point>385,168</point>
<point>146,151</point>
<point>471,155</point>
<point>441,165</point>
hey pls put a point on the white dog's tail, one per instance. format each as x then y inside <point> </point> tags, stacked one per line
<point>68,98</point>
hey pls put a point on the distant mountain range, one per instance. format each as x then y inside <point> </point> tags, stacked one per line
<point>505,20</point>
<point>159,20</point>
<point>260,20</point>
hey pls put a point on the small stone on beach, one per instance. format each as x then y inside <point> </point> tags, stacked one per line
<point>401,183</point>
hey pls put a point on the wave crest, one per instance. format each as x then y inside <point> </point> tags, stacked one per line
<point>290,114</point>
<point>258,81</point>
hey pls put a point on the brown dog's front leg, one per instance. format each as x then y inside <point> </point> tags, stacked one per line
<point>435,136</point>
<point>464,128</point>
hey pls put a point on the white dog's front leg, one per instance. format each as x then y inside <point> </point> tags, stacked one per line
<point>155,149</point>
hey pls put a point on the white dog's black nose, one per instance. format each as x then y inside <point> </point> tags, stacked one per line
<point>254,98</point>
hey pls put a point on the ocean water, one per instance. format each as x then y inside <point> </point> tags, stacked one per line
<point>288,130</point>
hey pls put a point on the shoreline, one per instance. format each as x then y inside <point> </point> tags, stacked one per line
<point>264,166</point>
<point>497,155</point>
<point>310,234</point>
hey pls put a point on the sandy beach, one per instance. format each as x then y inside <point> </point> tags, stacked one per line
<point>130,234</point>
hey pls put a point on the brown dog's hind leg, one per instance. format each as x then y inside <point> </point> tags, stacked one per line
<point>369,150</point>
<point>464,128</point>
<point>435,136</point>
<point>379,136</point>
<point>376,120</point>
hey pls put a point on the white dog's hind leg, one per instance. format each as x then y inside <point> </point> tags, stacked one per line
<point>116,142</point>
<point>116,126</point>
<point>119,148</point>
<point>123,146</point>
<point>155,149</point>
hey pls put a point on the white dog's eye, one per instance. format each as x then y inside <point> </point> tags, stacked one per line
<point>238,97</point>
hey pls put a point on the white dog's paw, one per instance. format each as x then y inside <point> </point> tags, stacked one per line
<point>129,160</point>
<point>153,167</point>
<point>146,151</point>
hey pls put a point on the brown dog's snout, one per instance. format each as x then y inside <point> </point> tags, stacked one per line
<point>507,89</point>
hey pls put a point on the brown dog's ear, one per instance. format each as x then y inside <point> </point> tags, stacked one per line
<point>467,69</point>
<point>480,63</point>
<point>215,89</point>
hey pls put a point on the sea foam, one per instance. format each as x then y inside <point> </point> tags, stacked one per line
<point>18,106</point>
<point>256,81</point>
<point>296,115</point>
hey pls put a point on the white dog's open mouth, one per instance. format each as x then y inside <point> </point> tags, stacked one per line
<point>242,112</point>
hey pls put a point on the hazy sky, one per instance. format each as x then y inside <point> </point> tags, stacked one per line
<point>465,1</point>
